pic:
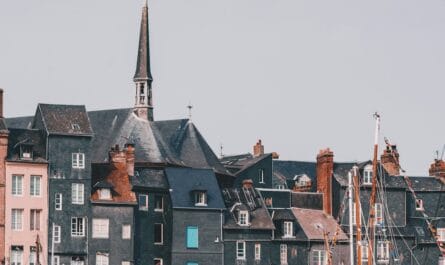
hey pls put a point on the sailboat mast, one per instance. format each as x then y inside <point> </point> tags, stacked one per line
<point>357,216</point>
<point>373,192</point>
<point>351,226</point>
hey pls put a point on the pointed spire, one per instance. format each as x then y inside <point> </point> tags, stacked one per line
<point>143,72</point>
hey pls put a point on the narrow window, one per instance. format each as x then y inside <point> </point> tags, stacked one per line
<point>243,218</point>
<point>367,175</point>
<point>354,220</point>
<point>318,257</point>
<point>192,237</point>
<point>159,203</point>
<point>17,185</point>
<point>419,205</point>
<point>126,231</point>
<point>288,229</point>
<point>200,198</point>
<point>17,255</point>
<point>34,222</point>
<point>143,202</point>
<point>257,251</point>
<point>378,213</point>
<point>56,260</point>
<point>77,226</point>
<point>241,250</point>
<point>35,185</point>
<point>283,254</point>
<point>78,160</point>
<point>261,176</point>
<point>159,234</point>
<point>441,234</point>
<point>383,251</point>
<point>101,258</point>
<point>56,233</point>
<point>77,193</point>
<point>58,201</point>
<point>32,255</point>
<point>17,219</point>
<point>364,250</point>
<point>100,228</point>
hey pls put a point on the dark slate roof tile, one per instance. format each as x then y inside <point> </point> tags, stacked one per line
<point>289,169</point>
<point>65,119</point>
<point>150,178</point>
<point>20,122</point>
<point>34,138</point>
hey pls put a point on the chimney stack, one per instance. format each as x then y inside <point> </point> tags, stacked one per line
<point>390,160</point>
<point>258,149</point>
<point>437,169</point>
<point>325,170</point>
<point>129,149</point>
<point>1,103</point>
<point>247,184</point>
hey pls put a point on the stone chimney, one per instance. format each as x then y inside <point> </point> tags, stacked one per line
<point>325,170</point>
<point>437,169</point>
<point>390,160</point>
<point>247,184</point>
<point>129,149</point>
<point>258,149</point>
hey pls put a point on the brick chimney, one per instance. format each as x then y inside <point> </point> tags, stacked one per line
<point>390,160</point>
<point>247,184</point>
<point>437,169</point>
<point>129,150</point>
<point>1,103</point>
<point>258,149</point>
<point>325,170</point>
<point>118,158</point>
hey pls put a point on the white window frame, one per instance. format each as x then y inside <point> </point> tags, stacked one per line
<point>16,257</point>
<point>126,231</point>
<point>200,198</point>
<point>367,175</point>
<point>78,229</point>
<point>17,219</point>
<point>354,216</point>
<point>56,260</point>
<point>378,207</point>
<point>143,207</point>
<point>319,257</point>
<point>158,259</point>
<point>162,234</point>
<point>104,194</point>
<point>288,229</point>
<point>261,176</point>
<point>58,201</point>
<point>101,227</point>
<point>441,234</point>
<point>125,262</point>
<point>243,218</point>
<point>364,250</point>
<point>257,251</point>
<point>57,233</point>
<point>383,251</point>
<point>102,258</point>
<point>241,250</point>
<point>17,185</point>
<point>77,193</point>
<point>35,219</point>
<point>32,257</point>
<point>419,205</point>
<point>157,209</point>
<point>35,185</point>
<point>77,262</point>
<point>78,160</point>
<point>441,261</point>
<point>283,254</point>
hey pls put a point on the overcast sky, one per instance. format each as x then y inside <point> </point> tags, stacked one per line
<point>300,74</point>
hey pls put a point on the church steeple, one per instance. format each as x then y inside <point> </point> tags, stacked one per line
<point>142,78</point>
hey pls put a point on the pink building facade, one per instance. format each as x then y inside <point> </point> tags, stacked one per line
<point>26,232</point>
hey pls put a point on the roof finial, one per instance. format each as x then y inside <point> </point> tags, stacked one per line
<point>189,106</point>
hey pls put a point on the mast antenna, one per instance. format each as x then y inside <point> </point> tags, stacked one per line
<point>443,150</point>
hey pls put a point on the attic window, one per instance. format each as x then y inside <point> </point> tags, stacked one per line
<point>75,126</point>
<point>25,151</point>
<point>200,198</point>
<point>288,229</point>
<point>243,218</point>
<point>367,175</point>
<point>105,194</point>
<point>419,205</point>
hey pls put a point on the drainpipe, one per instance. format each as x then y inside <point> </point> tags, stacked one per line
<point>221,236</point>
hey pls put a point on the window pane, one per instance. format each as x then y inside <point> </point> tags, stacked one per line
<point>158,233</point>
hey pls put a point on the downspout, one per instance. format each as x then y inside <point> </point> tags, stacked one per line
<point>221,236</point>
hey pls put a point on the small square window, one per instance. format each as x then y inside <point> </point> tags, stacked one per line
<point>200,198</point>
<point>100,228</point>
<point>243,218</point>
<point>105,194</point>
<point>419,205</point>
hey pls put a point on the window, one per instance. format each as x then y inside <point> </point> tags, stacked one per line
<point>75,126</point>
<point>100,228</point>
<point>26,152</point>
<point>17,185</point>
<point>288,229</point>
<point>34,223</point>
<point>364,250</point>
<point>101,258</point>
<point>318,257</point>
<point>105,194</point>
<point>383,251</point>
<point>159,234</point>
<point>58,201</point>
<point>56,260</point>
<point>419,205</point>
<point>77,261</point>
<point>200,198</point>
<point>192,237</point>
<point>243,218</point>
<point>126,231</point>
<point>441,234</point>
<point>269,202</point>
<point>257,251</point>
<point>32,256</point>
<point>240,250</point>
<point>16,255</point>
<point>17,219</point>
<point>56,233</point>
<point>283,254</point>
<point>354,216</point>
<point>77,193</point>
<point>261,175</point>
<point>143,202</point>
<point>279,187</point>
<point>77,226</point>
<point>367,175</point>
<point>35,185</point>
<point>157,261</point>
<point>78,160</point>
<point>159,203</point>
<point>378,213</point>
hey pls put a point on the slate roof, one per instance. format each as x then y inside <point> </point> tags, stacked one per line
<point>307,200</point>
<point>28,137</point>
<point>146,178</point>
<point>289,169</point>
<point>315,223</point>
<point>184,181</point>
<point>246,199</point>
<point>3,127</point>
<point>426,183</point>
<point>20,122</point>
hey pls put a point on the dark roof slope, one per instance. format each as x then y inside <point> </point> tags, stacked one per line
<point>289,169</point>
<point>33,138</point>
<point>146,178</point>
<point>20,122</point>
<point>184,181</point>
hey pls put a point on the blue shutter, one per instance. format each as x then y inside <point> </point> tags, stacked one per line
<point>192,237</point>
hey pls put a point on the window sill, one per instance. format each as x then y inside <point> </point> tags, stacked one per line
<point>159,210</point>
<point>288,237</point>
<point>143,209</point>
<point>159,243</point>
<point>201,204</point>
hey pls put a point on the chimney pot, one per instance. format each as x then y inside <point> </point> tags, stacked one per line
<point>258,149</point>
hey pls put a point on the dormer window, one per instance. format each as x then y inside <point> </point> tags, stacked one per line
<point>75,127</point>
<point>200,198</point>
<point>26,152</point>
<point>419,205</point>
<point>288,229</point>
<point>104,194</point>
<point>243,218</point>
<point>367,175</point>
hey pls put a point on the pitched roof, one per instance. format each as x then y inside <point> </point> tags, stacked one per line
<point>147,178</point>
<point>185,181</point>
<point>315,223</point>
<point>33,138</point>
<point>289,169</point>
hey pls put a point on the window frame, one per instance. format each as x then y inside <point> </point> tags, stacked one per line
<point>16,253</point>
<point>318,257</point>
<point>367,175</point>
<point>78,160</point>
<point>105,194</point>
<point>161,234</point>
<point>261,176</point>
<point>35,219</point>
<point>33,191</point>
<point>257,251</point>
<point>200,198</point>
<point>16,189</point>
<point>17,219</point>
<point>77,193</point>
<point>159,198</point>
<point>57,233</point>
<point>419,204</point>
<point>75,225</point>
<point>102,258</point>
<point>190,231</point>
<point>288,229</point>
<point>379,214</point>
<point>441,234</point>
<point>101,228</point>
<point>58,202</point>
<point>383,251</point>
<point>283,254</point>
<point>141,206</point>
<point>240,251</point>
<point>243,218</point>
<point>126,229</point>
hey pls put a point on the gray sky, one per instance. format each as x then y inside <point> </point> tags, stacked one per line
<point>299,74</point>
